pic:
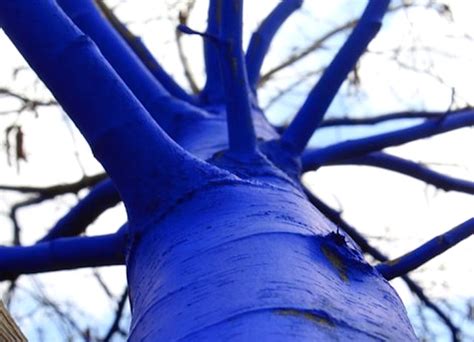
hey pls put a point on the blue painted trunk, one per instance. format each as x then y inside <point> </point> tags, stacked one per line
<point>247,262</point>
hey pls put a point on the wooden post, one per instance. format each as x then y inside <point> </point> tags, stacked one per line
<point>9,330</point>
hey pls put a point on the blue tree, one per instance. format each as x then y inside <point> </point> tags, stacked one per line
<point>223,242</point>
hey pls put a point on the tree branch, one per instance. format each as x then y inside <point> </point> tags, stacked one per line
<point>124,138</point>
<point>100,198</point>
<point>412,169</point>
<point>60,189</point>
<point>13,216</point>
<point>429,250</point>
<point>154,97</point>
<point>213,91</point>
<point>183,20</point>
<point>118,316</point>
<point>317,44</point>
<point>262,38</point>
<point>354,148</point>
<point>241,132</point>
<point>311,113</point>
<point>27,103</point>
<point>146,57</point>
<point>62,254</point>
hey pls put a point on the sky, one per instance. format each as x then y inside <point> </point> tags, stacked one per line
<point>397,212</point>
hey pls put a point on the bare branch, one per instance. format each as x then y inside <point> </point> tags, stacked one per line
<point>308,118</point>
<point>75,222</point>
<point>183,20</point>
<point>60,189</point>
<point>118,316</point>
<point>142,52</point>
<point>62,254</point>
<point>262,38</point>
<point>27,103</point>
<point>241,132</point>
<point>358,147</point>
<point>429,250</point>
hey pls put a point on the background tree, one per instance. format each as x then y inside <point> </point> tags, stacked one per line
<point>103,196</point>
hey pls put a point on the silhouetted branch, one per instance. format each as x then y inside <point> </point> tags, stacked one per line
<point>262,38</point>
<point>357,147</point>
<point>183,20</point>
<point>420,293</point>
<point>142,52</point>
<point>102,283</point>
<point>39,295</point>
<point>118,316</point>
<point>27,103</point>
<point>429,250</point>
<point>60,189</point>
<point>239,120</point>
<point>319,43</point>
<point>62,254</point>
<point>311,113</point>
<point>13,216</point>
<point>412,169</point>
<point>287,89</point>
<point>306,51</point>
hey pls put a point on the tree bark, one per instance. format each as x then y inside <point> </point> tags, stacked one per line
<point>246,262</point>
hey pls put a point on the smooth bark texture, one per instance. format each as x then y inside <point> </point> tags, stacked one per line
<point>267,268</point>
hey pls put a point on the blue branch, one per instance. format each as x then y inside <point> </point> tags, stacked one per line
<point>63,254</point>
<point>141,82</point>
<point>262,38</point>
<point>239,119</point>
<point>213,91</point>
<point>414,259</point>
<point>312,112</point>
<point>75,222</point>
<point>412,169</point>
<point>142,52</point>
<point>358,147</point>
<point>139,157</point>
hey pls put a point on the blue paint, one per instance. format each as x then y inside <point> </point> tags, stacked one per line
<point>241,132</point>
<point>212,92</point>
<point>312,112</point>
<point>144,86</point>
<point>263,37</point>
<point>362,146</point>
<point>63,254</point>
<point>427,251</point>
<point>136,44</point>
<point>240,262</point>
<point>100,198</point>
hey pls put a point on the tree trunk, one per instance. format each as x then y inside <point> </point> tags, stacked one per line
<point>250,262</point>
